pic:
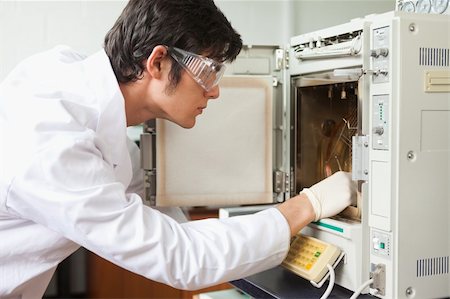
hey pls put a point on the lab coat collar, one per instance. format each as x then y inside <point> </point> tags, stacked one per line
<point>111,126</point>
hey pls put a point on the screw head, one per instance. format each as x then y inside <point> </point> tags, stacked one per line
<point>410,292</point>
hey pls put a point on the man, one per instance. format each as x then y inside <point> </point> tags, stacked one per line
<point>69,176</point>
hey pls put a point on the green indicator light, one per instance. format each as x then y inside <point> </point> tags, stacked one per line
<point>317,254</point>
<point>382,245</point>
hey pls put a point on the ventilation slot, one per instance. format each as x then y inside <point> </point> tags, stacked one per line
<point>434,56</point>
<point>433,266</point>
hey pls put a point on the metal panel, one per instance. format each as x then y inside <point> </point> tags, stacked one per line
<point>422,173</point>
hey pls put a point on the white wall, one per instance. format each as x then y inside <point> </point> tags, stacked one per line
<point>260,22</point>
<point>27,27</point>
<point>311,15</point>
<point>273,22</point>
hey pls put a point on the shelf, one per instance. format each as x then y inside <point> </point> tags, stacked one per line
<point>281,283</point>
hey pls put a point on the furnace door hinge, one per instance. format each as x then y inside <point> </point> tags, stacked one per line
<point>360,158</point>
<point>148,158</point>
<point>281,182</point>
<point>281,59</point>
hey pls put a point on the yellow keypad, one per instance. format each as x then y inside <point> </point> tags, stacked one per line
<point>308,257</point>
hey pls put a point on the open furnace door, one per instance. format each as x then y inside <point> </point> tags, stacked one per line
<point>226,159</point>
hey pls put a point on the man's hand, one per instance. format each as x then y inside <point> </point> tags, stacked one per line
<point>331,195</point>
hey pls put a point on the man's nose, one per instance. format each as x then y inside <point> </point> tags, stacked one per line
<point>213,93</point>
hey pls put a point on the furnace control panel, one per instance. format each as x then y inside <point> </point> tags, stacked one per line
<point>380,122</point>
<point>380,57</point>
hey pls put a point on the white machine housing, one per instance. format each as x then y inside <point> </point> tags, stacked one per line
<point>401,153</point>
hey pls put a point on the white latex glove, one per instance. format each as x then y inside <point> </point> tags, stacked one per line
<point>331,195</point>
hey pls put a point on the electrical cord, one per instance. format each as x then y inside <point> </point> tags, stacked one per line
<point>361,288</point>
<point>330,284</point>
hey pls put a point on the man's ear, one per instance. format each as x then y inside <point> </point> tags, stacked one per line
<point>153,65</point>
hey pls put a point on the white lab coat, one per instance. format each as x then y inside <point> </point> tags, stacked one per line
<point>66,181</point>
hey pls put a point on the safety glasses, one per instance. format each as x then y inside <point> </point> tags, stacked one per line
<point>205,71</point>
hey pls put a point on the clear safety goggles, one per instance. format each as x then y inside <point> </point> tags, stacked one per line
<point>205,71</point>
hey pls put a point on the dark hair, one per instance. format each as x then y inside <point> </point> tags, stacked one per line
<point>193,25</point>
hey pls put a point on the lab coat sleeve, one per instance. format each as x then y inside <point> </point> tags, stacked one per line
<point>69,188</point>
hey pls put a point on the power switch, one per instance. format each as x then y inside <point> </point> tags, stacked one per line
<point>381,244</point>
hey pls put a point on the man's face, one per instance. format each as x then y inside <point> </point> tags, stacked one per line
<point>187,100</point>
<point>154,97</point>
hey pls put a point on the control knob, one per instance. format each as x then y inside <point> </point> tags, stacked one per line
<point>379,52</point>
<point>378,130</point>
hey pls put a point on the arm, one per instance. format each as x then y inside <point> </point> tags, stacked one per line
<point>298,212</point>
<point>71,190</point>
<point>324,199</point>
